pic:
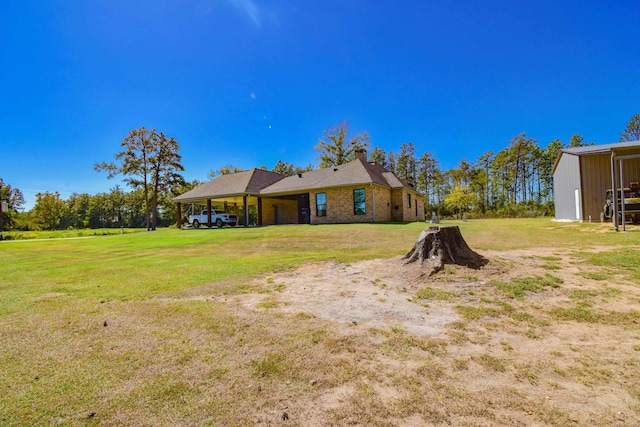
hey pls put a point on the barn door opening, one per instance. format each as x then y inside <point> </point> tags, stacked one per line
<point>577,196</point>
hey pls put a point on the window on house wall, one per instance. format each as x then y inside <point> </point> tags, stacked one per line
<point>359,205</point>
<point>416,203</point>
<point>321,204</point>
<point>409,200</point>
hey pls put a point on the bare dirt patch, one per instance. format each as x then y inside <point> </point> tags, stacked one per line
<point>514,359</point>
<point>359,296</point>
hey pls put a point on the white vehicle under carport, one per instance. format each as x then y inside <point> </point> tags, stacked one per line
<point>219,219</point>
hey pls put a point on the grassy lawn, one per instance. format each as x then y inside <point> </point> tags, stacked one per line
<point>135,329</point>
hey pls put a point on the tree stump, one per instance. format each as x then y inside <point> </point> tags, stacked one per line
<point>444,245</point>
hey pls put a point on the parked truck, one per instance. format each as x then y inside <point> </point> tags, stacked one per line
<point>218,218</point>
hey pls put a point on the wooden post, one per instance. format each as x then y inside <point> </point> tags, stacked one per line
<point>1,215</point>
<point>259,210</point>
<point>209,213</point>
<point>246,210</point>
<point>178,215</point>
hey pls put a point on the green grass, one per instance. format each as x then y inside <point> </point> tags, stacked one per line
<point>436,294</point>
<point>596,275</point>
<point>65,234</point>
<point>550,266</point>
<point>176,350</point>
<point>579,313</point>
<point>491,363</point>
<point>475,313</point>
<point>624,261</point>
<point>168,262</point>
<point>517,286</point>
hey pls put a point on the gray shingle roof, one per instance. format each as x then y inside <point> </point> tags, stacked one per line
<point>261,182</point>
<point>353,173</point>
<point>247,182</point>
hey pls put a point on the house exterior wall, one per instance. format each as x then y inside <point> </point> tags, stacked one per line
<point>566,179</point>
<point>396,205</point>
<point>419,204</point>
<point>287,211</point>
<point>415,212</point>
<point>401,211</point>
<point>340,205</point>
<point>383,203</point>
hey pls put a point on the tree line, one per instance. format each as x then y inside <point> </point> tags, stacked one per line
<point>515,181</point>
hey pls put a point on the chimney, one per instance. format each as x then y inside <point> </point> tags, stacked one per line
<point>361,153</point>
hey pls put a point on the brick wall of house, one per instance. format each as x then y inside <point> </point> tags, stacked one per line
<point>288,210</point>
<point>397,211</point>
<point>383,204</point>
<point>400,210</point>
<point>416,211</point>
<point>421,214</point>
<point>340,205</point>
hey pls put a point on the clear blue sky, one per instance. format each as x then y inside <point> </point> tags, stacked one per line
<point>248,82</point>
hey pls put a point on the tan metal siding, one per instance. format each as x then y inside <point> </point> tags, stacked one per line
<point>596,179</point>
<point>631,168</point>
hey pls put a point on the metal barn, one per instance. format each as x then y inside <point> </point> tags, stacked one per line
<point>582,176</point>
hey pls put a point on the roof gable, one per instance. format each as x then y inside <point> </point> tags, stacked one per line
<point>357,172</point>
<point>246,182</point>
<point>261,182</point>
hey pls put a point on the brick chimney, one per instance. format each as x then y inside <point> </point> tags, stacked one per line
<point>361,153</point>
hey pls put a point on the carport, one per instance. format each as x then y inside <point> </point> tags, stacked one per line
<point>237,189</point>
<point>621,159</point>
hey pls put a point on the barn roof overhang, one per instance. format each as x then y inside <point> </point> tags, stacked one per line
<point>617,149</point>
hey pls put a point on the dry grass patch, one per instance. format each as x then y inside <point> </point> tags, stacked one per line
<point>292,333</point>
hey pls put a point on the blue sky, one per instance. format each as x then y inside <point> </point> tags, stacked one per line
<point>248,82</point>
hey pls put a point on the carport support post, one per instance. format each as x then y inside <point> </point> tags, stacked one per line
<point>209,213</point>
<point>622,213</point>
<point>246,210</point>
<point>1,217</point>
<point>613,189</point>
<point>178,215</point>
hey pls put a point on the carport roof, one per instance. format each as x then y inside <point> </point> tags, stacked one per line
<point>240,183</point>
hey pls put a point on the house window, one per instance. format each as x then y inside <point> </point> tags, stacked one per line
<point>359,205</point>
<point>321,204</point>
<point>408,200</point>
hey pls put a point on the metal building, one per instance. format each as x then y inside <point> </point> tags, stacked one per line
<point>582,176</point>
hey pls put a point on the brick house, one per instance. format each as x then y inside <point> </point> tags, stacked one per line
<point>358,191</point>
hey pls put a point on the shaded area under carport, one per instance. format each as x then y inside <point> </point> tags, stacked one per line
<point>241,188</point>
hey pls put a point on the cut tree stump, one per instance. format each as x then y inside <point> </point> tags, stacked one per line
<point>443,245</point>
